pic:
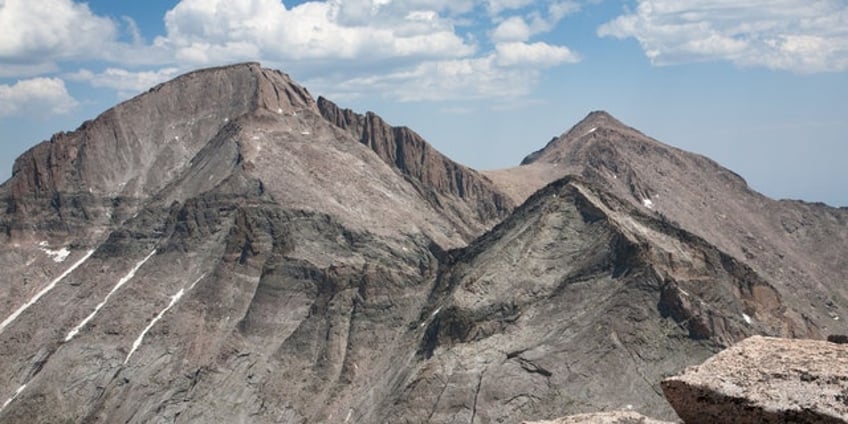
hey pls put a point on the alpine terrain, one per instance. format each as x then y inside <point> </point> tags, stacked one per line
<point>226,248</point>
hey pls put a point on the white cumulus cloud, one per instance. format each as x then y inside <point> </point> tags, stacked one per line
<point>533,54</point>
<point>35,97</point>
<point>126,83</point>
<point>512,29</point>
<point>410,50</point>
<point>511,71</point>
<point>466,79</point>
<point>533,21</point>
<point>796,35</point>
<point>36,33</point>
<point>207,31</point>
<point>497,6</point>
<point>371,44</point>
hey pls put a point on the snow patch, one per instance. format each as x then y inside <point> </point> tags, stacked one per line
<point>196,281</point>
<point>57,255</point>
<point>591,131</point>
<point>747,318</point>
<point>304,133</point>
<point>648,203</point>
<point>13,397</point>
<point>43,291</point>
<point>280,110</point>
<point>121,282</point>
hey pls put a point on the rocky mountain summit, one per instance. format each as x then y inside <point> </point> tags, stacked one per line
<point>226,248</point>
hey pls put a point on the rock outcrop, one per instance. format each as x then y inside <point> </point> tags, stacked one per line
<point>765,380</point>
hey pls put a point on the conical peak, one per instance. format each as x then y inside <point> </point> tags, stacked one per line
<point>599,114</point>
<point>598,119</point>
<point>588,127</point>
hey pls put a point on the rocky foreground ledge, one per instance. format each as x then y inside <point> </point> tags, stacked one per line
<point>759,380</point>
<point>765,380</point>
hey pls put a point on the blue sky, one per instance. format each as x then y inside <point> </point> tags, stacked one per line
<point>759,86</point>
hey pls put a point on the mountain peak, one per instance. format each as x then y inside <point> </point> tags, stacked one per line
<point>289,260</point>
<point>137,147</point>
<point>601,117</point>
<point>594,121</point>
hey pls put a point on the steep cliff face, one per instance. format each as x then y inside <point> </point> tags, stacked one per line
<point>440,179</point>
<point>247,254</point>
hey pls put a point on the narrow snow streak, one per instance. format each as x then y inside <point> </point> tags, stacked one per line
<point>121,282</point>
<point>12,398</point>
<point>747,318</point>
<point>43,291</point>
<point>174,299</point>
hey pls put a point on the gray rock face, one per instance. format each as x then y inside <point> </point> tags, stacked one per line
<point>765,380</point>
<point>438,178</point>
<point>621,417</point>
<point>224,248</point>
<point>797,247</point>
<point>213,225</point>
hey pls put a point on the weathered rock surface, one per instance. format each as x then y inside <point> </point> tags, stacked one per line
<point>798,247</point>
<point>212,227</point>
<point>765,380</point>
<point>439,178</point>
<point>621,417</point>
<point>581,302</point>
<point>224,248</point>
